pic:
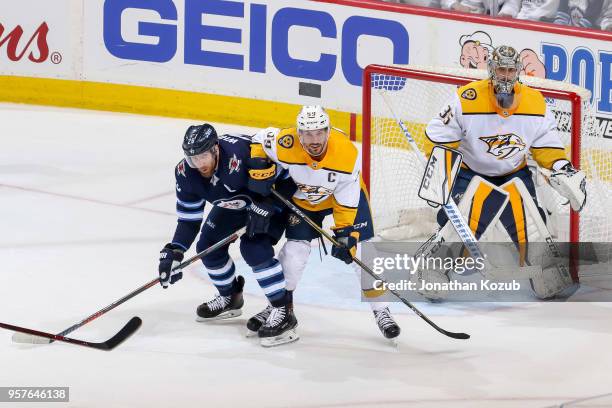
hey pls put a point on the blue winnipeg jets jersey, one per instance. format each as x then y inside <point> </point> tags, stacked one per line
<point>229,180</point>
<point>192,190</point>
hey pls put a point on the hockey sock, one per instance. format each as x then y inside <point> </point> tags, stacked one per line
<point>223,276</point>
<point>271,279</point>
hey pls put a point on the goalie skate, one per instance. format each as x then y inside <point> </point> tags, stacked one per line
<point>223,307</point>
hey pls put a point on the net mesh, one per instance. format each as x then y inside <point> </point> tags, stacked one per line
<point>395,169</point>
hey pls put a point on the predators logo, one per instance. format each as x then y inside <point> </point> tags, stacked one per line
<point>469,94</point>
<point>286,141</point>
<point>504,146</point>
<point>293,220</point>
<point>314,194</point>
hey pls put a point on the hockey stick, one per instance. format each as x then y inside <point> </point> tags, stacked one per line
<point>127,330</point>
<point>299,213</point>
<point>29,338</point>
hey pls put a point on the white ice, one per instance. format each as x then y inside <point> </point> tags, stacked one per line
<point>87,202</point>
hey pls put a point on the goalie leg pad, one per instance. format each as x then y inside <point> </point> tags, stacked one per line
<point>555,277</point>
<point>480,202</point>
<point>514,218</point>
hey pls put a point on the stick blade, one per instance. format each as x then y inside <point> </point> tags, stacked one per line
<point>460,336</point>
<point>130,328</point>
<point>24,338</point>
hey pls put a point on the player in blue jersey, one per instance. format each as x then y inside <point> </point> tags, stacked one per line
<point>216,170</point>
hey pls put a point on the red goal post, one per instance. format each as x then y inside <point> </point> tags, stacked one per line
<point>418,93</point>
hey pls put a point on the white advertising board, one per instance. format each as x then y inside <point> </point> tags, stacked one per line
<point>294,52</point>
<point>40,38</point>
<point>267,49</point>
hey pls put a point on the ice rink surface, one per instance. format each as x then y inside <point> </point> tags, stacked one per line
<point>87,203</point>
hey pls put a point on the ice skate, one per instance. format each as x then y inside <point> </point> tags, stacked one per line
<point>255,322</point>
<point>386,324</point>
<point>223,307</point>
<point>279,327</point>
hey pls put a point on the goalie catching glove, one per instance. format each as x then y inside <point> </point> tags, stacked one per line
<point>571,184</point>
<point>348,238</point>
<point>170,257</point>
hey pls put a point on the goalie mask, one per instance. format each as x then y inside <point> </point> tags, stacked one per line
<point>504,67</point>
<point>313,129</point>
<point>200,148</point>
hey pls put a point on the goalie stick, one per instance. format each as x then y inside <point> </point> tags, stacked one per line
<point>27,337</point>
<point>299,213</point>
<point>127,330</point>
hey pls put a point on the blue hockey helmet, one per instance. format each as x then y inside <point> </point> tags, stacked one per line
<point>199,139</point>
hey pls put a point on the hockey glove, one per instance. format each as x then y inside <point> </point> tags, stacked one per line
<point>170,256</point>
<point>261,175</point>
<point>259,215</point>
<point>571,184</point>
<point>348,238</point>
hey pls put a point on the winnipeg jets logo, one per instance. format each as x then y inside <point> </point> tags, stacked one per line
<point>234,164</point>
<point>180,169</point>
<point>314,194</point>
<point>504,146</point>
<point>238,202</point>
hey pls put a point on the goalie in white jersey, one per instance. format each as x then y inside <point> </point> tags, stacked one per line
<point>326,167</point>
<point>495,123</point>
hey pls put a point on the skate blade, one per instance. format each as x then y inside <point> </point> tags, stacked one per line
<point>288,337</point>
<point>225,315</point>
<point>250,333</point>
<point>393,343</point>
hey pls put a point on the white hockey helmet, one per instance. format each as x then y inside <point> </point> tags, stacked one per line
<point>310,121</point>
<point>312,117</point>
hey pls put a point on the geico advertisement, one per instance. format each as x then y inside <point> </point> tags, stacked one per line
<point>263,50</point>
<point>35,38</point>
<point>266,50</point>
<point>300,52</point>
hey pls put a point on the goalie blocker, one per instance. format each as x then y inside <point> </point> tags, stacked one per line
<point>440,175</point>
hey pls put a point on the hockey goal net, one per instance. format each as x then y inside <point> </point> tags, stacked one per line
<point>393,173</point>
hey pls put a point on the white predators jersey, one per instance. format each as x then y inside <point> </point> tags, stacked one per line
<point>496,141</point>
<point>334,182</point>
